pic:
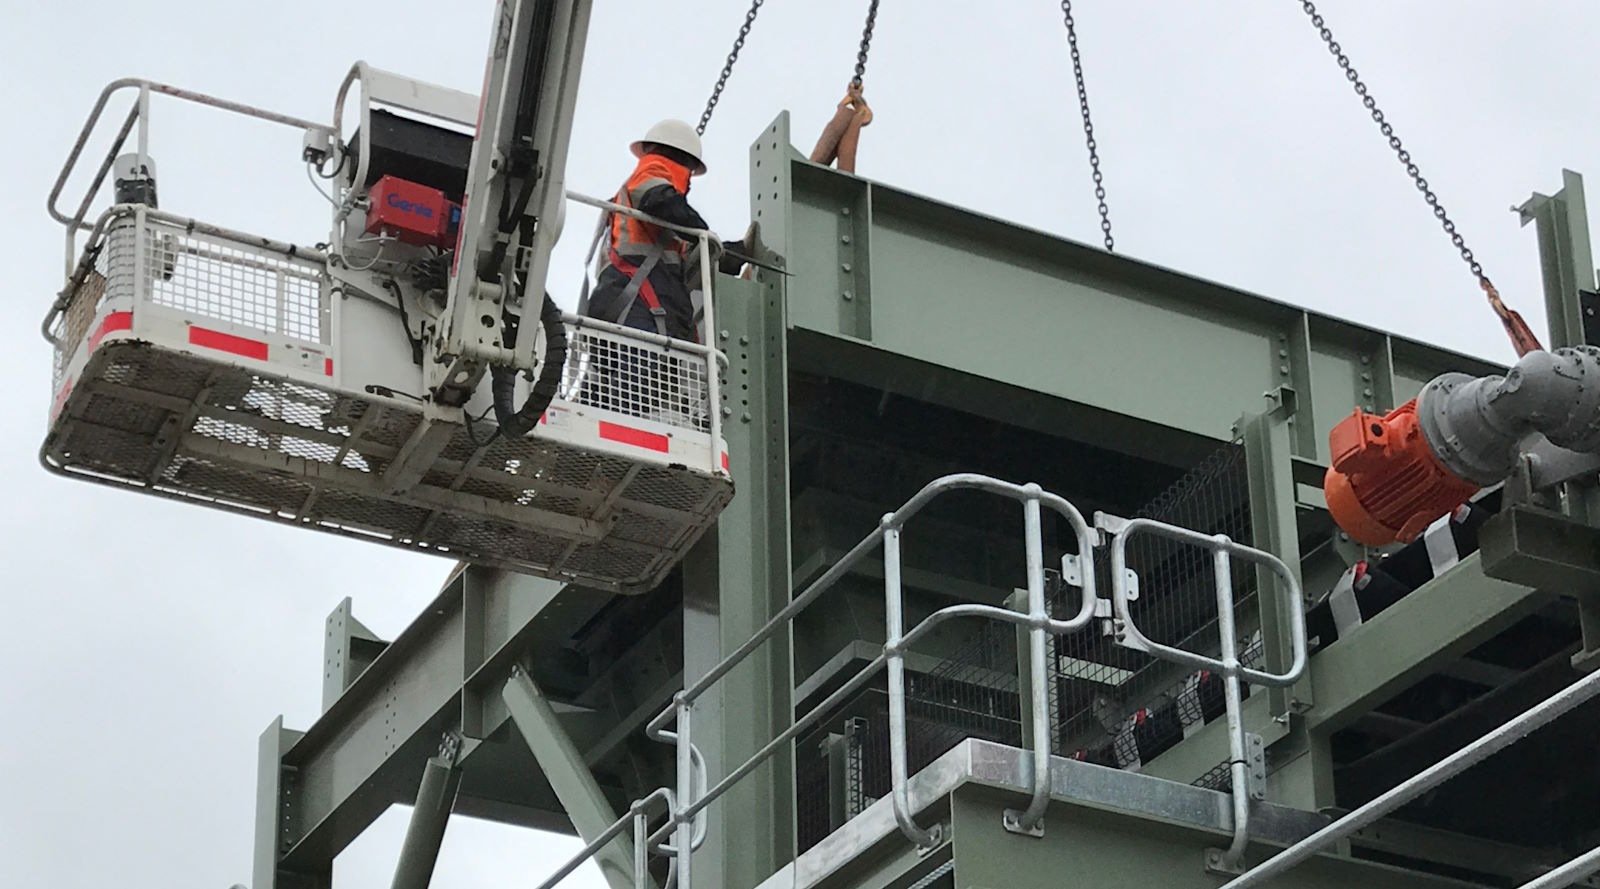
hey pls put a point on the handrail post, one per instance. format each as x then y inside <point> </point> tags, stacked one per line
<point>684,839</point>
<point>1222,572</point>
<point>1031,820</point>
<point>893,606</point>
<point>1536,717</point>
<point>641,851</point>
<point>143,155</point>
<point>713,382</point>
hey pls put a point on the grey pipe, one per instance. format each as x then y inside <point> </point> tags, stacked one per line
<point>1477,425</point>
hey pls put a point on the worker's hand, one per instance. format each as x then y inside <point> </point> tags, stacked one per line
<point>692,259</point>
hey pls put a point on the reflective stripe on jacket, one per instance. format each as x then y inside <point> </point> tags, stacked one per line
<point>632,238</point>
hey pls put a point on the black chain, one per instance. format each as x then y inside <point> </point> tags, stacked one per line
<point>1394,142</point>
<point>727,67</point>
<point>1088,127</point>
<point>866,44</point>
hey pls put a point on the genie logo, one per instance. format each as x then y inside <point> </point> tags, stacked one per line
<point>399,203</point>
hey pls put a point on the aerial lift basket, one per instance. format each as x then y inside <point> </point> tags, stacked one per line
<point>210,366</point>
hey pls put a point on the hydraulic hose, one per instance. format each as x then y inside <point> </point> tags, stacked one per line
<point>516,422</point>
<point>1475,425</point>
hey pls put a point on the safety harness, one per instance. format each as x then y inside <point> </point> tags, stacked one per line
<point>639,286</point>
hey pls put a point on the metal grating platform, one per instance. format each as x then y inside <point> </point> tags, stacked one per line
<point>602,494</point>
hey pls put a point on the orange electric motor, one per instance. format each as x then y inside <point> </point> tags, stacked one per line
<point>1385,484</point>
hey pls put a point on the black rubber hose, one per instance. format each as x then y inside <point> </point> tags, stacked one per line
<point>516,422</point>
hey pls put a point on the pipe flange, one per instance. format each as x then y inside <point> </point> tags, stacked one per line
<point>1456,433</point>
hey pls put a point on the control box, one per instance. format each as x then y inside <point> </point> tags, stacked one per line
<point>414,214</point>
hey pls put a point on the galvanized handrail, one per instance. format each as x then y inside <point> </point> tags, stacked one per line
<point>887,534</point>
<point>140,114</point>
<point>1581,867</point>
<point>638,816</point>
<point>1511,732</point>
<point>1223,550</point>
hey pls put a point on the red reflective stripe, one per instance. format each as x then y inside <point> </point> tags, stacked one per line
<point>227,342</point>
<point>724,461</point>
<point>636,437</point>
<point>114,322</point>
<point>327,367</point>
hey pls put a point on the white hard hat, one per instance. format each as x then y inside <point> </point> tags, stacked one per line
<point>674,134</point>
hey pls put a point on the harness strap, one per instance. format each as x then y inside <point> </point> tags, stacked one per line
<point>639,287</point>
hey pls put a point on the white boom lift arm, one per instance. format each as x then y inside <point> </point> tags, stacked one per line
<point>512,213</point>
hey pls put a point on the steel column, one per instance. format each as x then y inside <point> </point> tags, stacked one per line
<point>1562,223</point>
<point>734,581</point>
<point>1274,520</point>
<point>348,649</point>
<point>1566,259</point>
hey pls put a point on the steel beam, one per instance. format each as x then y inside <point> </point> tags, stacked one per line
<point>1110,848</point>
<point>922,280</point>
<point>564,766</point>
<point>1437,623</point>
<point>320,789</point>
<point>1433,626</point>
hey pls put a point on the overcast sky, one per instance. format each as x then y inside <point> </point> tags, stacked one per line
<point>147,644</point>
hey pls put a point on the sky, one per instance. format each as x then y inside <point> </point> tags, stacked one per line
<point>148,643</point>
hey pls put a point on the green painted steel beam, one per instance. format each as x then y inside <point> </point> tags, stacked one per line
<point>1088,847</point>
<point>1437,623</point>
<point>326,785</point>
<point>568,773</point>
<point>933,283</point>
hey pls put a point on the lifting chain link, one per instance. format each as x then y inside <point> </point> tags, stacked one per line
<point>727,67</point>
<point>866,45</point>
<point>1088,126</point>
<point>1521,336</point>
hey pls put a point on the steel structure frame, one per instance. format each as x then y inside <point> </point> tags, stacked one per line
<point>882,293</point>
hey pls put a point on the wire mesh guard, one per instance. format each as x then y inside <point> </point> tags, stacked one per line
<point>605,371</point>
<point>178,422</point>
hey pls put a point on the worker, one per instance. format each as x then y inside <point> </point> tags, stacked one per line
<point>647,279</point>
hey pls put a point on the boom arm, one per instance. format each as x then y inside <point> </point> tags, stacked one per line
<point>511,216</point>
